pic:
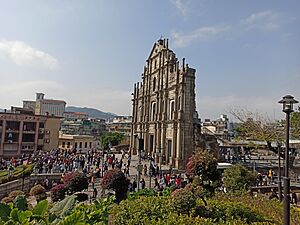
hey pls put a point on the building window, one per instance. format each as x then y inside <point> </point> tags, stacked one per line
<point>154,84</point>
<point>63,144</point>
<point>169,148</point>
<point>155,64</point>
<point>90,144</point>
<point>85,144</point>
<point>151,142</point>
<point>68,144</point>
<point>76,145</point>
<point>80,144</point>
<point>153,111</point>
<point>172,109</point>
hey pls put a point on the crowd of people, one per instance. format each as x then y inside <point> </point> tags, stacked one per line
<point>94,164</point>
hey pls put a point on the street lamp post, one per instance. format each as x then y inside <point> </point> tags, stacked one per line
<point>287,102</point>
<point>279,173</point>
<point>139,166</point>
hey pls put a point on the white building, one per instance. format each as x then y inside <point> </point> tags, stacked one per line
<point>42,106</point>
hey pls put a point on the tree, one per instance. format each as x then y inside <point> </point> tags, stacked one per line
<point>295,124</point>
<point>111,138</point>
<point>115,179</point>
<point>254,126</point>
<point>203,166</point>
<point>238,178</point>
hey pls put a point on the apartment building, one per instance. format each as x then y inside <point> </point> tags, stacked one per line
<point>25,133</point>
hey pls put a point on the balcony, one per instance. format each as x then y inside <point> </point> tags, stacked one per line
<point>10,147</point>
<point>28,131</point>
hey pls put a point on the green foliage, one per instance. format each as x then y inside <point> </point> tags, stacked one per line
<point>238,178</point>
<point>270,210</point>
<point>19,172</point>
<point>19,217</point>
<point>295,124</point>
<point>20,202</point>
<point>4,211</point>
<point>97,212</point>
<point>41,208</point>
<point>141,210</point>
<point>112,138</point>
<point>76,218</point>
<point>224,211</point>
<point>183,201</point>
<point>62,208</point>
<point>142,192</point>
<point>166,192</point>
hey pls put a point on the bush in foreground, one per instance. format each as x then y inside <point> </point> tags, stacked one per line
<point>115,180</point>
<point>39,192</point>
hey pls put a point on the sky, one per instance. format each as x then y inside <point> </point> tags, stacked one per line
<point>90,53</point>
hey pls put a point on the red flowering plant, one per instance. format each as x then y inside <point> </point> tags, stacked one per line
<point>75,182</point>
<point>202,167</point>
<point>116,180</point>
<point>58,192</point>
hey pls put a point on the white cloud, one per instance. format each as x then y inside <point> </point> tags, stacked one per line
<point>182,8</point>
<point>265,20</point>
<point>24,55</point>
<point>204,33</point>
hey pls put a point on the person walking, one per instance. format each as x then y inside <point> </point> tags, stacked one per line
<point>145,170</point>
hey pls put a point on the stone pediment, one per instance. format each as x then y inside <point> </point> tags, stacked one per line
<point>157,47</point>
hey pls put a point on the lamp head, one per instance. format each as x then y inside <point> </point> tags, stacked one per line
<point>287,102</point>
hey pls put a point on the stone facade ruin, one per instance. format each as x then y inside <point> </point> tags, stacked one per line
<point>164,108</point>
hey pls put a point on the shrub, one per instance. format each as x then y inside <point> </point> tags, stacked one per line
<point>183,201</point>
<point>7,200</point>
<point>142,192</point>
<point>16,193</point>
<point>39,192</point>
<point>115,179</point>
<point>224,211</point>
<point>20,202</point>
<point>271,210</point>
<point>58,192</point>
<point>75,182</point>
<point>238,178</point>
<point>141,210</point>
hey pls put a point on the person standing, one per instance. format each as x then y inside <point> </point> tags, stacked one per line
<point>294,198</point>
<point>143,183</point>
<point>145,170</point>
<point>134,184</point>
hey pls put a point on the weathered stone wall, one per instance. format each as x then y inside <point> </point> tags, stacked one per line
<point>163,108</point>
<point>27,184</point>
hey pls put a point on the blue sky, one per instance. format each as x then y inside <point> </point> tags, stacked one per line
<point>90,53</point>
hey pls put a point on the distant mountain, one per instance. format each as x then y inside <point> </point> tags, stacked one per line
<point>1,110</point>
<point>95,113</point>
